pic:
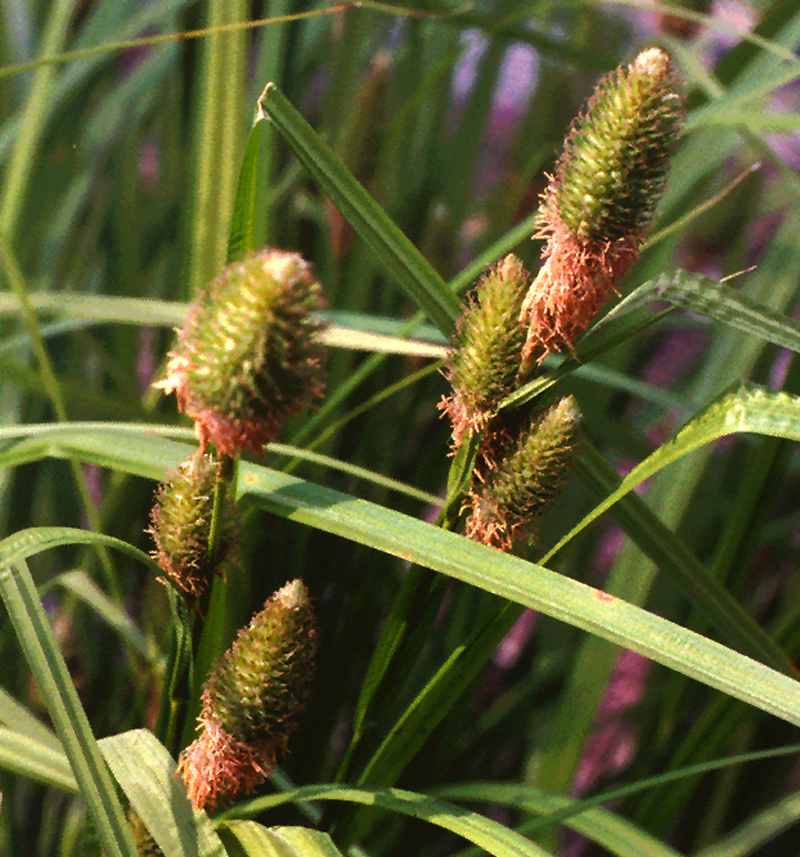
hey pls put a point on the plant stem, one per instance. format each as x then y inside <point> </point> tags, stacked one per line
<point>225,477</point>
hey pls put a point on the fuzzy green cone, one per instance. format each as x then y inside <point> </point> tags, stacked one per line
<point>247,358</point>
<point>181,524</point>
<point>251,700</point>
<point>485,360</point>
<point>508,495</point>
<point>598,205</point>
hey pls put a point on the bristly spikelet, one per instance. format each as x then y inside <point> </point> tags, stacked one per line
<point>247,358</point>
<point>599,203</point>
<point>251,700</point>
<point>181,523</point>
<point>486,355</point>
<point>509,493</point>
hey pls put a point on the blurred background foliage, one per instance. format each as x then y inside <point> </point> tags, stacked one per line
<point>120,146</point>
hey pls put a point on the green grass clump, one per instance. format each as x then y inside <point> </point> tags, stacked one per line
<point>404,153</point>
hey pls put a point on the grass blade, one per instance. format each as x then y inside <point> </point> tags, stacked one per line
<point>146,772</point>
<point>608,830</point>
<point>52,677</point>
<point>219,131</point>
<point>509,577</point>
<point>27,757</point>
<point>19,169</point>
<point>722,303</point>
<point>16,716</point>
<point>19,546</point>
<point>672,556</point>
<point>243,221</point>
<point>758,830</point>
<point>398,255</point>
<point>750,409</point>
<point>489,835</point>
<point>254,840</point>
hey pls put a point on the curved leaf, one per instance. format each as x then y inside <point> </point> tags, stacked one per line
<point>28,757</point>
<point>615,834</point>
<point>757,831</point>
<point>146,772</point>
<point>25,543</point>
<point>243,220</point>
<point>400,257</point>
<point>722,303</point>
<point>507,576</point>
<point>52,677</point>
<point>488,834</point>
<point>254,840</point>
<point>750,409</point>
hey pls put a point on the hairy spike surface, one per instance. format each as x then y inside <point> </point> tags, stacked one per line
<point>520,484</point>
<point>247,358</point>
<point>181,525</point>
<point>601,198</point>
<point>251,700</point>
<point>486,355</point>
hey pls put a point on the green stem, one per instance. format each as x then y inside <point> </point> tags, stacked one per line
<point>207,632</point>
<point>225,477</point>
<point>177,678</point>
<point>404,635</point>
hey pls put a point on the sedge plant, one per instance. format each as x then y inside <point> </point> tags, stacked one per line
<point>343,597</point>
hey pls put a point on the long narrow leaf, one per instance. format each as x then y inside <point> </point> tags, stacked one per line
<point>19,546</point>
<point>15,715</point>
<point>243,220</point>
<point>19,170</point>
<point>612,832</point>
<point>27,757</point>
<point>696,292</point>
<point>757,831</point>
<point>724,304</point>
<point>671,555</point>
<point>509,577</point>
<point>218,139</point>
<point>399,256</point>
<point>52,677</point>
<point>146,772</point>
<point>254,840</point>
<point>490,835</point>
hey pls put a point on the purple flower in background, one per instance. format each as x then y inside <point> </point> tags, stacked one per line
<point>516,82</point>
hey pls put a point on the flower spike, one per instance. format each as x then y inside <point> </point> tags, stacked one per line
<point>247,358</point>
<point>517,484</point>
<point>485,360</point>
<point>600,201</point>
<point>181,525</point>
<point>251,700</point>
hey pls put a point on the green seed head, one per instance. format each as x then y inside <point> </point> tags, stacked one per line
<point>615,159</point>
<point>261,683</point>
<point>597,206</point>
<point>523,479</point>
<point>181,523</point>
<point>251,700</point>
<point>485,360</point>
<point>247,358</point>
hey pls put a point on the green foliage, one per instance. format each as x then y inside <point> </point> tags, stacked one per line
<point>389,149</point>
